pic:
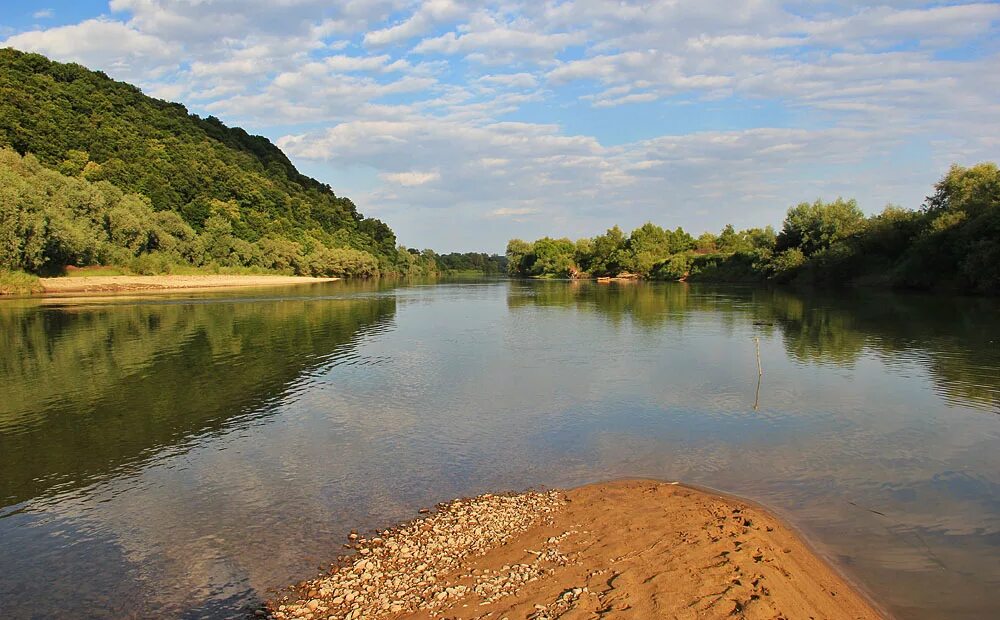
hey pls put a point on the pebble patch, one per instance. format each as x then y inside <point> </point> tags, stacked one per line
<point>403,570</point>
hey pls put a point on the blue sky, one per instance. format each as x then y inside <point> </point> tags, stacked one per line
<point>463,124</point>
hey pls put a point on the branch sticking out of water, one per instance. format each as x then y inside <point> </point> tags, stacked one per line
<point>760,371</point>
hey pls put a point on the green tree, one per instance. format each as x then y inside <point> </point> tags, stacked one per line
<point>518,254</point>
<point>706,243</point>
<point>649,245</point>
<point>608,252</point>
<point>973,191</point>
<point>676,267</point>
<point>813,227</point>
<point>553,257</point>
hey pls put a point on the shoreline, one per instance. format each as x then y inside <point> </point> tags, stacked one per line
<point>628,548</point>
<point>165,283</point>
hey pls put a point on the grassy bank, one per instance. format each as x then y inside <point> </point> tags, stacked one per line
<point>19,283</point>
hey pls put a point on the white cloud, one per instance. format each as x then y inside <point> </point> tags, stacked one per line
<point>573,185</point>
<point>342,63</point>
<point>512,212</point>
<point>43,14</point>
<point>431,12</point>
<point>206,23</point>
<point>883,26</point>
<point>234,67</point>
<point>742,42</point>
<point>109,45</point>
<point>510,80</point>
<point>489,39</point>
<point>412,178</point>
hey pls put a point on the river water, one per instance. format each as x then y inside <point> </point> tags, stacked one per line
<point>184,455</point>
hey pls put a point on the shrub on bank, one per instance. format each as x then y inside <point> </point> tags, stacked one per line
<point>18,283</point>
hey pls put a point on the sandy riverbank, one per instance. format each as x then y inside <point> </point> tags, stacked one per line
<point>626,549</point>
<point>167,283</point>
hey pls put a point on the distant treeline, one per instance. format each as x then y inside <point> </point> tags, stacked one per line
<point>951,242</point>
<point>479,262</point>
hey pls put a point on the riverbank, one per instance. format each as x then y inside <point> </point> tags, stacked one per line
<point>166,283</point>
<point>633,548</point>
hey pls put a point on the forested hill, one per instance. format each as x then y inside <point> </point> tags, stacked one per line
<point>88,126</point>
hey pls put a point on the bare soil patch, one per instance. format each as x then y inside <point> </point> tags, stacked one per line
<point>167,283</point>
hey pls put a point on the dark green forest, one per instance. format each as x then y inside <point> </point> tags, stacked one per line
<point>96,172</point>
<point>477,262</point>
<point>952,242</point>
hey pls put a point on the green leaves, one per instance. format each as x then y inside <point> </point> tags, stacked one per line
<point>814,227</point>
<point>86,125</point>
<point>49,221</point>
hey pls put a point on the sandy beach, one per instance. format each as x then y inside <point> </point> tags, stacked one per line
<point>167,283</point>
<point>624,549</point>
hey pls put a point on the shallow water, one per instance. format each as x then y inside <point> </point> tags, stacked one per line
<point>182,456</point>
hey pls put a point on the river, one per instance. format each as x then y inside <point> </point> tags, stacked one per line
<point>184,455</point>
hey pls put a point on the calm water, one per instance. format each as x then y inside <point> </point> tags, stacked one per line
<point>181,456</point>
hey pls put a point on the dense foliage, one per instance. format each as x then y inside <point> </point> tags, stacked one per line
<point>953,242</point>
<point>479,262</point>
<point>199,191</point>
<point>49,220</point>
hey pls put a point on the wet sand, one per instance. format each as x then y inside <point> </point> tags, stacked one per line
<point>624,549</point>
<point>167,283</point>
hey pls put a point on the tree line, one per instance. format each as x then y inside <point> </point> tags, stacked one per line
<point>952,241</point>
<point>477,262</point>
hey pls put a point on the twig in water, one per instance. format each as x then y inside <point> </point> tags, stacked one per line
<point>756,398</point>
<point>760,371</point>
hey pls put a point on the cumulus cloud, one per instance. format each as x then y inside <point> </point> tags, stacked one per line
<point>574,185</point>
<point>490,39</point>
<point>204,23</point>
<point>885,26</point>
<point>411,178</point>
<point>510,80</point>
<point>430,13</point>
<point>511,212</point>
<point>101,43</point>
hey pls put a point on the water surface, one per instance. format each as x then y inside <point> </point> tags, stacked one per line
<point>182,456</point>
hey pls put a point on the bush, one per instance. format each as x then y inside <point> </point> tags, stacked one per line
<point>18,283</point>
<point>153,264</point>
<point>784,266</point>
<point>675,268</point>
<point>342,263</point>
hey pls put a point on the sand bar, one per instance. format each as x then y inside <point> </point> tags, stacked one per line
<point>167,283</point>
<point>625,549</point>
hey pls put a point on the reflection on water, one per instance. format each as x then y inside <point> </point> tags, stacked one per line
<point>90,389</point>
<point>180,456</point>
<point>956,339</point>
